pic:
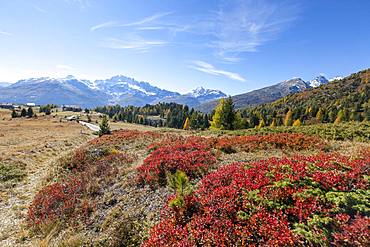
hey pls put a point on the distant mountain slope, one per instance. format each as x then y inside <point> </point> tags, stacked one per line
<point>267,94</point>
<point>346,99</point>
<point>196,97</point>
<point>339,93</point>
<point>119,89</point>
<point>57,91</point>
<point>5,84</point>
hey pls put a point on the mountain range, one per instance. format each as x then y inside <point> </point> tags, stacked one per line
<point>268,94</point>
<point>124,90</point>
<point>119,89</point>
<point>4,84</point>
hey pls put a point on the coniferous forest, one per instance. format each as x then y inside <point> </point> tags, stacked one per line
<point>339,101</point>
<point>170,115</point>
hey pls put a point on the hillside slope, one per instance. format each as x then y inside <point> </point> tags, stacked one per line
<point>347,98</point>
<point>267,94</point>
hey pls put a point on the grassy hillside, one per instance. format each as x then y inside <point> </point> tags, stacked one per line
<point>341,100</point>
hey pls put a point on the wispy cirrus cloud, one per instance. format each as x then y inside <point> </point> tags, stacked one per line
<point>210,69</point>
<point>134,38</point>
<point>103,25</point>
<point>5,33</point>
<point>244,25</point>
<point>39,9</point>
<point>227,31</point>
<point>136,43</point>
<point>146,20</point>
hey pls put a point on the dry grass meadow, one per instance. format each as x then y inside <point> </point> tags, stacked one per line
<point>28,148</point>
<point>29,151</point>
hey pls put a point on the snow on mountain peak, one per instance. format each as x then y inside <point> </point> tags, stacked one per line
<point>336,78</point>
<point>202,92</point>
<point>318,81</point>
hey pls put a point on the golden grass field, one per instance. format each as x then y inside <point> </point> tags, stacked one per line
<point>28,148</point>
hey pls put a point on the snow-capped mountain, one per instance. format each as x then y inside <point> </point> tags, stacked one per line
<point>293,85</point>
<point>195,97</point>
<point>5,84</point>
<point>124,90</point>
<point>45,90</point>
<point>335,78</point>
<point>205,94</point>
<point>320,80</point>
<point>116,90</point>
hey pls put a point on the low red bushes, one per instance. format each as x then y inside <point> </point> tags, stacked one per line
<point>58,201</point>
<point>355,232</point>
<point>68,200</point>
<point>275,202</point>
<point>193,158</point>
<point>270,141</point>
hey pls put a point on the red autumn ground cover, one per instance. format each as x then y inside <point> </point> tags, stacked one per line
<point>190,156</point>
<point>317,200</point>
<point>270,141</point>
<point>68,199</point>
<point>231,144</point>
<point>58,201</point>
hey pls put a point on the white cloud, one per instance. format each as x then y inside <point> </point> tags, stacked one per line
<point>230,29</point>
<point>144,21</point>
<point>242,26</point>
<point>210,69</point>
<point>134,43</point>
<point>103,25</point>
<point>39,9</point>
<point>5,33</point>
<point>64,67</point>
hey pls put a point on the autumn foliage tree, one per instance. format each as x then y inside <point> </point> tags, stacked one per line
<point>288,118</point>
<point>186,124</point>
<point>225,116</point>
<point>297,122</point>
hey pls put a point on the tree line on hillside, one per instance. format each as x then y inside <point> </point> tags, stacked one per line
<point>170,115</point>
<point>339,101</point>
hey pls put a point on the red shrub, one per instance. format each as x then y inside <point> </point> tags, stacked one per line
<point>270,141</point>
<point>66,200</point>
<point>57,201</point>
<point>193,158</point>
<point>271,203</point>
<point>354,233</point>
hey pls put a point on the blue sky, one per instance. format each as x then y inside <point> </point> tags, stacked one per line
<point>234,46</point>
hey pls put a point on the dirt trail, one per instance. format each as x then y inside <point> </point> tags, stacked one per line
<point>37,144</point>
